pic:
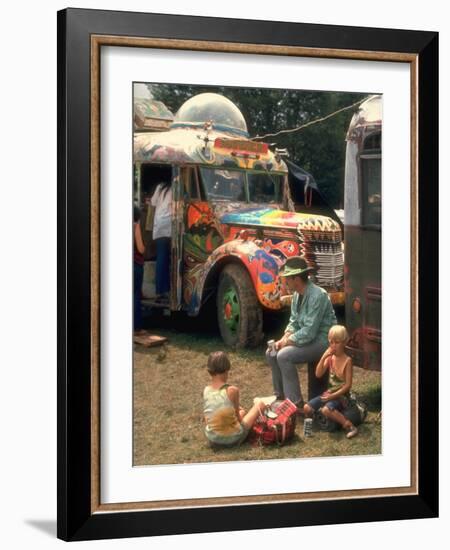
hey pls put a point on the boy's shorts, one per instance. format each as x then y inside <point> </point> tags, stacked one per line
<point>316,403</point>
<point>233,440</point>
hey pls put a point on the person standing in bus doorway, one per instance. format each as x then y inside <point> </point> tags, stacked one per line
<point>138,269</point>
<point>162,233</point>
<point>306,336</point>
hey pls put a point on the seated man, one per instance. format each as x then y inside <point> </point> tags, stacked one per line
<point>306,336</point>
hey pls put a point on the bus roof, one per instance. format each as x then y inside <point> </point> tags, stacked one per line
<point>204,146</point>
<point>369,116</point>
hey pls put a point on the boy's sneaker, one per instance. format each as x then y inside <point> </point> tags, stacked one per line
<point>352,431</point>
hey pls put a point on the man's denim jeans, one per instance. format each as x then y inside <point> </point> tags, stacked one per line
<point>284,368</point>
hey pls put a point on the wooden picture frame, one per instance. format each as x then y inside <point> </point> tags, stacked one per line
<point>81,35</point>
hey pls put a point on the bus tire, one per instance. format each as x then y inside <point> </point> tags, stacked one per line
<point>239,314</point>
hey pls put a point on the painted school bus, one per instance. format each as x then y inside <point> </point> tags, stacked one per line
<point>234,222</point>
<point>362,219</point>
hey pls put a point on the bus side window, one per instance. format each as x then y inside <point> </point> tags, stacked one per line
<point>371,180</point>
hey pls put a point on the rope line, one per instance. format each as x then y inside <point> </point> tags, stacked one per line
<point>311,122</point>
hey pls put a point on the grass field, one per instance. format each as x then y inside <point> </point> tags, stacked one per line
<point>168,385</point>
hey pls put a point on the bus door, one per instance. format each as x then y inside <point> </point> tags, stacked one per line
<point>363,256</point>
<point>370,166</point>
<point>177,238</point>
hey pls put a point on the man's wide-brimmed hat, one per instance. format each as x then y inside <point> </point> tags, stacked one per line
<point>295,266</point>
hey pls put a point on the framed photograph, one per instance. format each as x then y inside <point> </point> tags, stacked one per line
<point>247,286</point>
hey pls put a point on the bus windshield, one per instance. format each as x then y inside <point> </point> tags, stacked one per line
<point>263,188</point>
<point>237,185</point>
<point>223,184</point>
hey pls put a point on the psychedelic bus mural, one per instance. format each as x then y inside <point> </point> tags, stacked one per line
<point>234,222</point>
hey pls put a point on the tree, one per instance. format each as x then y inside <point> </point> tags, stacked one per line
<point>319,148</point>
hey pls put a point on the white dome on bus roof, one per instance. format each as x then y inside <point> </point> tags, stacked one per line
<point>222,112</point>
<point>369,114</point>
<point>371,109</point>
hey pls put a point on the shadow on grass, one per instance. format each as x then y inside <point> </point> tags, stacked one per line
<point>255,447</point>
<point>202,332</point>
<point>364,429</point>
<point>372,397</point>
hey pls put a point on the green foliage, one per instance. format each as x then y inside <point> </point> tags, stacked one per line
<point>319,149</point>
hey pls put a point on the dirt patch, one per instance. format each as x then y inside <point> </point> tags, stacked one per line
<point>168,419</point>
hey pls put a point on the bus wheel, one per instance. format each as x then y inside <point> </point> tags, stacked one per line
<point>239,313</point>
